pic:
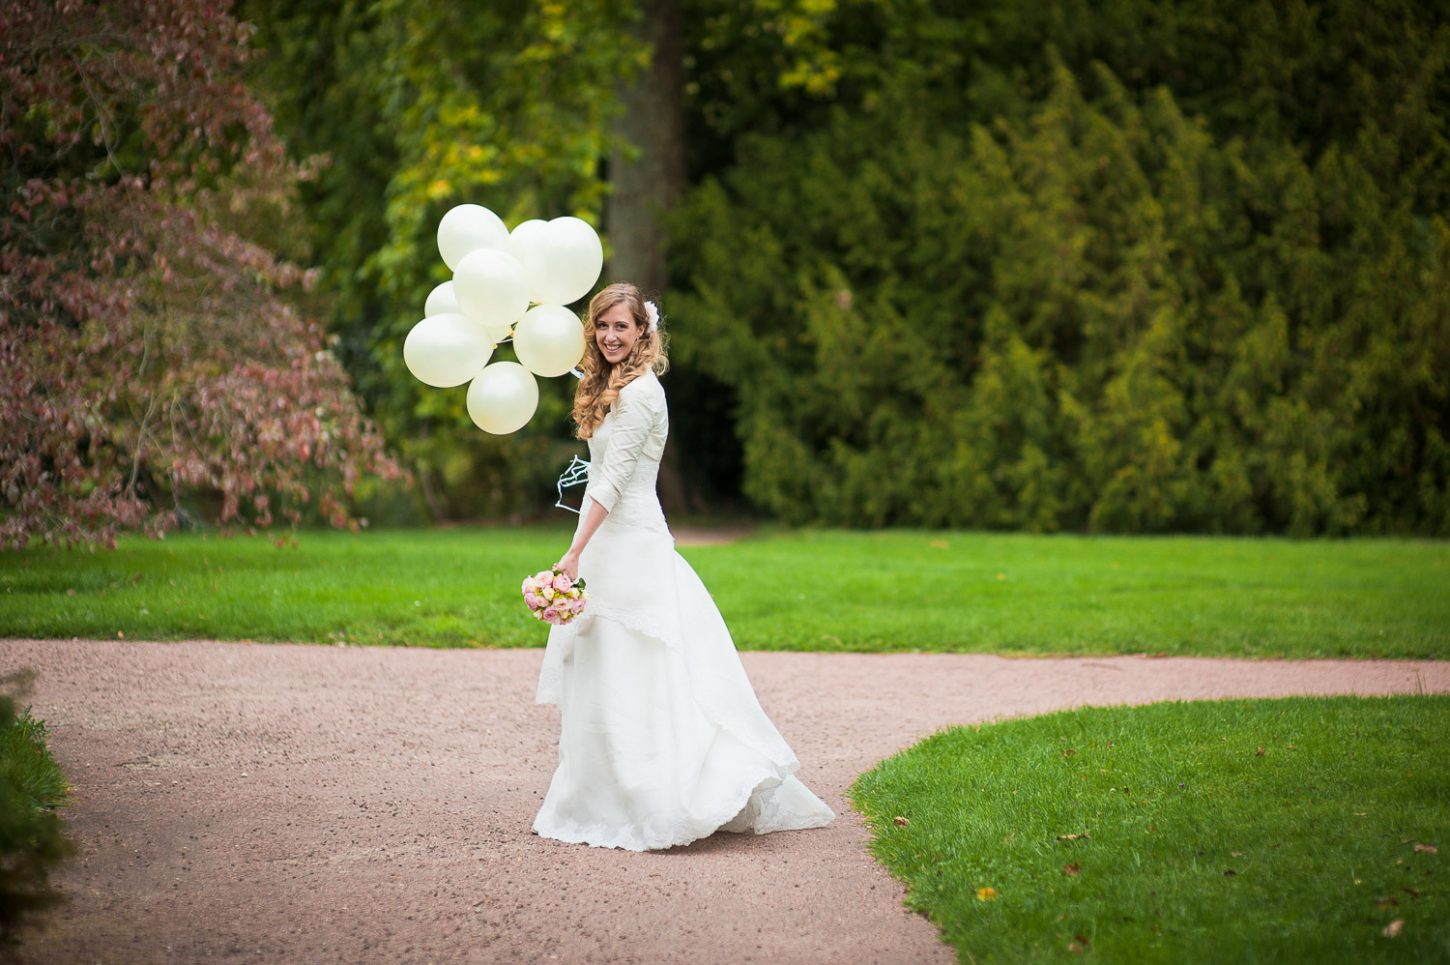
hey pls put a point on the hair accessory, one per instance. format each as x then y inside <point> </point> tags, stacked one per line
<point>652,312</point>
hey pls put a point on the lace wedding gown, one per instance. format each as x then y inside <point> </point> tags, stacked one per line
<point>661,740</point>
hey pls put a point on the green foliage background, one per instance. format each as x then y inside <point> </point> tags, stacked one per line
<point>1130,266</point>
<point>408,109</point>
<point>1137,268</point>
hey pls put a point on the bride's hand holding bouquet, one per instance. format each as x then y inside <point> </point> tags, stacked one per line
<point>569,565</point>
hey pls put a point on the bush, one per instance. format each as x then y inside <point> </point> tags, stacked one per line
<point>1107,288</point>
<point>31,839</point>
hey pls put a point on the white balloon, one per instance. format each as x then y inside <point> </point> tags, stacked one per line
<point>573,258</point>
<point>466,228</point>
<point>491,289</point>
<point>446,350</point>
<point>440,300</point>
<point>529,244</point>
<point>503,398</point>
<point>549,340</point>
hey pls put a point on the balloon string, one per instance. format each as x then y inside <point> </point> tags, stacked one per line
<point>576,474</point>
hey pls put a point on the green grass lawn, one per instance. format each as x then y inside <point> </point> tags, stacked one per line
<point>1287,830</point>
<point>807,590</point>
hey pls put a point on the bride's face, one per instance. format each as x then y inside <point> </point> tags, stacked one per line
<point>615,333</point>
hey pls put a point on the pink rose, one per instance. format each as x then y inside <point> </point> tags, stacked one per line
<point>544,577</point>
<point>534,601</point>
<point>530,585</point>
<point>550,614</point>
<point>562,583</point>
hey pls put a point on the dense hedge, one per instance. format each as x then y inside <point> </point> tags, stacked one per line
<point>1132,265</point>
<point>1061,300</point>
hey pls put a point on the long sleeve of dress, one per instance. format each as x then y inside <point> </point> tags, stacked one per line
<point>634,423</point>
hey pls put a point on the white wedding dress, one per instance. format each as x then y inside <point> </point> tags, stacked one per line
<point>662,740</point>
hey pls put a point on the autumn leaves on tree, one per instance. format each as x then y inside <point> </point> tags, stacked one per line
<point>150,356</point>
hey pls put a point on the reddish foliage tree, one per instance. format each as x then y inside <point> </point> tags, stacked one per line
<point>146,348</point>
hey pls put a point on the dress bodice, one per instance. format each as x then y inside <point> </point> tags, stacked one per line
<point>625,452</point>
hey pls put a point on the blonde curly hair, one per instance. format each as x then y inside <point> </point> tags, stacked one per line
<point>600,386</point>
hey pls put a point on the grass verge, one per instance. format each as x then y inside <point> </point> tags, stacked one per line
<point>807,590</point>
<point>31,839</point>
<point>1305,829</point>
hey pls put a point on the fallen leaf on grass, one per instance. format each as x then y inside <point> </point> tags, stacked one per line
<point>1229,872</point>
<point>900,821</point>
<point>1259,752</point>
<point>1071,837</point>
<point>1393,928</point>
<point>1426,848</point>
<point>1412,892</point>
<point>1072,870</point>
<point>986,894</point>
<point>1391,901</point>
<point>1078,945</point>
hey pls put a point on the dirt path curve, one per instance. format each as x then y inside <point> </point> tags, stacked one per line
<point>281,803</point>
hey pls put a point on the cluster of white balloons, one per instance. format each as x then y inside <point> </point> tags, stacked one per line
<point>497,275</point>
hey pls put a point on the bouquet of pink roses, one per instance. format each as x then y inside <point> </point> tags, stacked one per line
<point>554,598</point>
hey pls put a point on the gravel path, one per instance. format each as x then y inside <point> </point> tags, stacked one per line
<point>280,803</point>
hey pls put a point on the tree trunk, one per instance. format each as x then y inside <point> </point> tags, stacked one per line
<point>647,178</point>
<point>647,170</point>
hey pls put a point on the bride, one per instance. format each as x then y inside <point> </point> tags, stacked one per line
<point>661,740</point>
